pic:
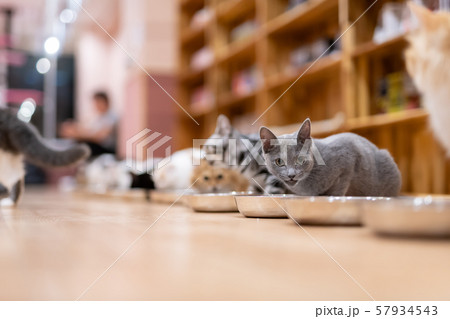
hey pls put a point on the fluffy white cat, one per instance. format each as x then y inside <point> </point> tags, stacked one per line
<point>177,173</point>
<point>428,62</point>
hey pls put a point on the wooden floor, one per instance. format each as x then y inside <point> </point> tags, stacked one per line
<point>54,246</point>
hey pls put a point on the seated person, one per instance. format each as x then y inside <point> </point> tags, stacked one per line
<point>100,135</point>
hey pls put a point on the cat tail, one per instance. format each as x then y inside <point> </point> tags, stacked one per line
<point>26,139</point>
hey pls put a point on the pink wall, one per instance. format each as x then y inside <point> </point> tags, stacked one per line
<point>147,32</point>
<point>100,65</point>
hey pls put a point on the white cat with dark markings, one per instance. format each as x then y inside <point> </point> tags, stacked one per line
<point>19,141</point>
<point>353,166</point>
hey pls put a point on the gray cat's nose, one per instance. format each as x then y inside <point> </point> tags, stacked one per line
<point>291,173</point>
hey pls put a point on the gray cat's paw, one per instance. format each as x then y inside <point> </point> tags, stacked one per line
<point>7,203</point>
<point>273,190</point>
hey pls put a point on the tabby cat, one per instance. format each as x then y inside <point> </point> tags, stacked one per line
<point>244,154</point>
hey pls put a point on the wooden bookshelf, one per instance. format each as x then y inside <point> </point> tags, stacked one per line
<point>342,81</point>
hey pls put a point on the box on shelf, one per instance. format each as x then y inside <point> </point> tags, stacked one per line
<point>309,52</point>
<point>293,3</point>
<point>245,81</point>
<point>201,99</point>
<point>396,19</point>
<point>202,59</point>
<point>396,92</point>
<point>201,18</point>
<point>243,30</point>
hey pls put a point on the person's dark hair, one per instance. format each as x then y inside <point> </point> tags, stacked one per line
<point>100,95</point>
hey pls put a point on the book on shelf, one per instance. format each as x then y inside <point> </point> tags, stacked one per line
<point>243,31</point>
<point>245,81</point>
<point>201,100</point>
<point>306,53</point>
<point>396,92</point>
<point>202,58</point>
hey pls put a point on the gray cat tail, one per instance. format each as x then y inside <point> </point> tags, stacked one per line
<point>26,139</point>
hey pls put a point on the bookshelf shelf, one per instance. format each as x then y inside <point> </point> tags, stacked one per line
<point>237,51</point>
<point>380,120</point>
<point>301,16</point>
<point>231,99</point>
<point>198,114</point>
<point>323,67</point>
<point>193,77</point>
<point>191,4</point>
<point>193,37</point>
<point>230,10</point>
<point>371,48</point>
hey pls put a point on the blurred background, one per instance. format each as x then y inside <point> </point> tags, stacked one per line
<point>68,65</point>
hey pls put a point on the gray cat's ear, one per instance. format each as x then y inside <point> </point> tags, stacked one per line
<point>266,136</point>
<point>223,127</point>
<point>304,133</point>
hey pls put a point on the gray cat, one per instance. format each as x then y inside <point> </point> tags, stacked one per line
<point>19,141</point>
<point>352,166</point>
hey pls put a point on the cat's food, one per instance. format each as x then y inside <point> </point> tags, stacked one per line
<point>415,216</point>
<point>169,197</point>
<point>325,210</point>
<point>213,202</point>
<point>261,206</point>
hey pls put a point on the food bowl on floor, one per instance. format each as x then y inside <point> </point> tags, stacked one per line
<point>213,202</point>
<point>261,206</point>
<point>327,210</point>
<point>427,216</point>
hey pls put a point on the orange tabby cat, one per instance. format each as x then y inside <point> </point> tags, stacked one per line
<point>216,179</point>
<point>428,62</point>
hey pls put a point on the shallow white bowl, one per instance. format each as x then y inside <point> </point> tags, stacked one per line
<point>261,206</point>
<point>212,202</point>
<point>327,210</point>
<point>414,216</point>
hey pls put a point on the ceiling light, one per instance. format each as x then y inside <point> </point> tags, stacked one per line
<point>26,110</point>
<point>67,16</point>
<point>51,45</point>
<point>43,65</point>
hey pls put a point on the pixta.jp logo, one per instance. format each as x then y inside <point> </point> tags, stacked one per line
<point>141,148</point>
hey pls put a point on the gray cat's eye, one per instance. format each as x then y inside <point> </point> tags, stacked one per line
<point>301,160</point>
<point>279,162</point>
